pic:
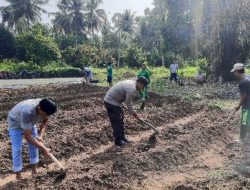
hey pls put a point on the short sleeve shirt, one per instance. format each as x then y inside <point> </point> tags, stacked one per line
<point>24,115</point>
<point>123,91</point>
<point>174,68</point>
<point>244,87</point>
<point>110,71</point>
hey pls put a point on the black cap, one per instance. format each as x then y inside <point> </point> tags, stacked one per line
<point>48,106</point>
<point>143,81</point>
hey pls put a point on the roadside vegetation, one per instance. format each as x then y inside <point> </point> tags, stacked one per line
<point>82,35</point>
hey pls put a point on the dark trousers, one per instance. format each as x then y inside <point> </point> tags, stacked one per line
<point>116,117</point>
<point>173,76</point>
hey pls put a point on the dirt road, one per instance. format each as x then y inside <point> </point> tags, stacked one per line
<point>193,150</point>
<point>17,83</point>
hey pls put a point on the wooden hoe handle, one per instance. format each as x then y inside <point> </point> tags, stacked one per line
<point>231,115</point>
<point>150,125</point>
<point>56,161</point>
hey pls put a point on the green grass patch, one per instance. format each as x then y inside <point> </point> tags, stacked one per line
<point>159,75</point>
<point>216,106</point>
<point>192,98</point>
<point>52,69</point>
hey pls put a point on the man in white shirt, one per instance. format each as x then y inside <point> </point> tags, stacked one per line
<point>123,91</point>
<point>173,71</point>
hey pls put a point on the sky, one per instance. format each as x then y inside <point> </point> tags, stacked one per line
<point>110,6</point>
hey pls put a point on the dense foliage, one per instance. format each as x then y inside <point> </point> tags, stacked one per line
<point>212,35</point>
<point>8,44</point>
<point>37,47</point>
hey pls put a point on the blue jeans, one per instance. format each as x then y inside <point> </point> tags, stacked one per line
<point>16,138</point>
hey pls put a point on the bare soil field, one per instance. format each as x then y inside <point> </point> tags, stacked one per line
<point>194,150</point>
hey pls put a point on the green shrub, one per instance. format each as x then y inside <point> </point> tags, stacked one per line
<point>38,47</point>
<point>248,63</point>
<point>65,41</point>
<point>7,44</point>
<point>11,65</point>
<point>202,64</point>
<point>171,57</point>
<point>53,69</point>
<point>215,106</point>
<point>154,57</point>
<point>188,72</point>
<point>62,72</point>
<point>134,56</point>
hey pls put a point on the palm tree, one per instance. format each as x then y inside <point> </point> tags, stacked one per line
<point>62,22</point>
<point>7,16</point>
<point>22,12</point>
<point>76,13</point>
<point>125,23</point>
<point>95,17</point>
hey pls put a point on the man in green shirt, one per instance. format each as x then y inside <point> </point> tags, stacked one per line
<point>144,72</point>
<point>109,74</point>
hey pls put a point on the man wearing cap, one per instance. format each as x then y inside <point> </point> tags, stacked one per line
<point>144,72</point>
<point>123,91</point>
<point>22,120</point>
<point>244,103</point>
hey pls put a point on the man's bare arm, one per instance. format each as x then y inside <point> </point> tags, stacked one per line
<point>43,127</point>
<point>35,142</point>
<point>242,99</point>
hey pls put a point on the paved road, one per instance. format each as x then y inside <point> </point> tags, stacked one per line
<point>19,83</point>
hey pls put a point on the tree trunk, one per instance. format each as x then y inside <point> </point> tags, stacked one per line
<point>76,38</point>
<point>229,55</point>
<point>119,50</point>
<point>92,29</point>
<point>162,61</point>
<point>118,62</point>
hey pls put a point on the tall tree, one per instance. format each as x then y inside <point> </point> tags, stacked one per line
<point>125,21</point>
<point>125,25</point>
<point>226,25</point>
<point>178,28</point>
<point>95,17</point>
<point>76,10</point>
<point>22,13</point>
<point>150,33</point>
<point>62,22</point>
<point>8,43</point>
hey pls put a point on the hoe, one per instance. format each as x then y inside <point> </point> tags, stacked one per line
<point>63,171</point>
